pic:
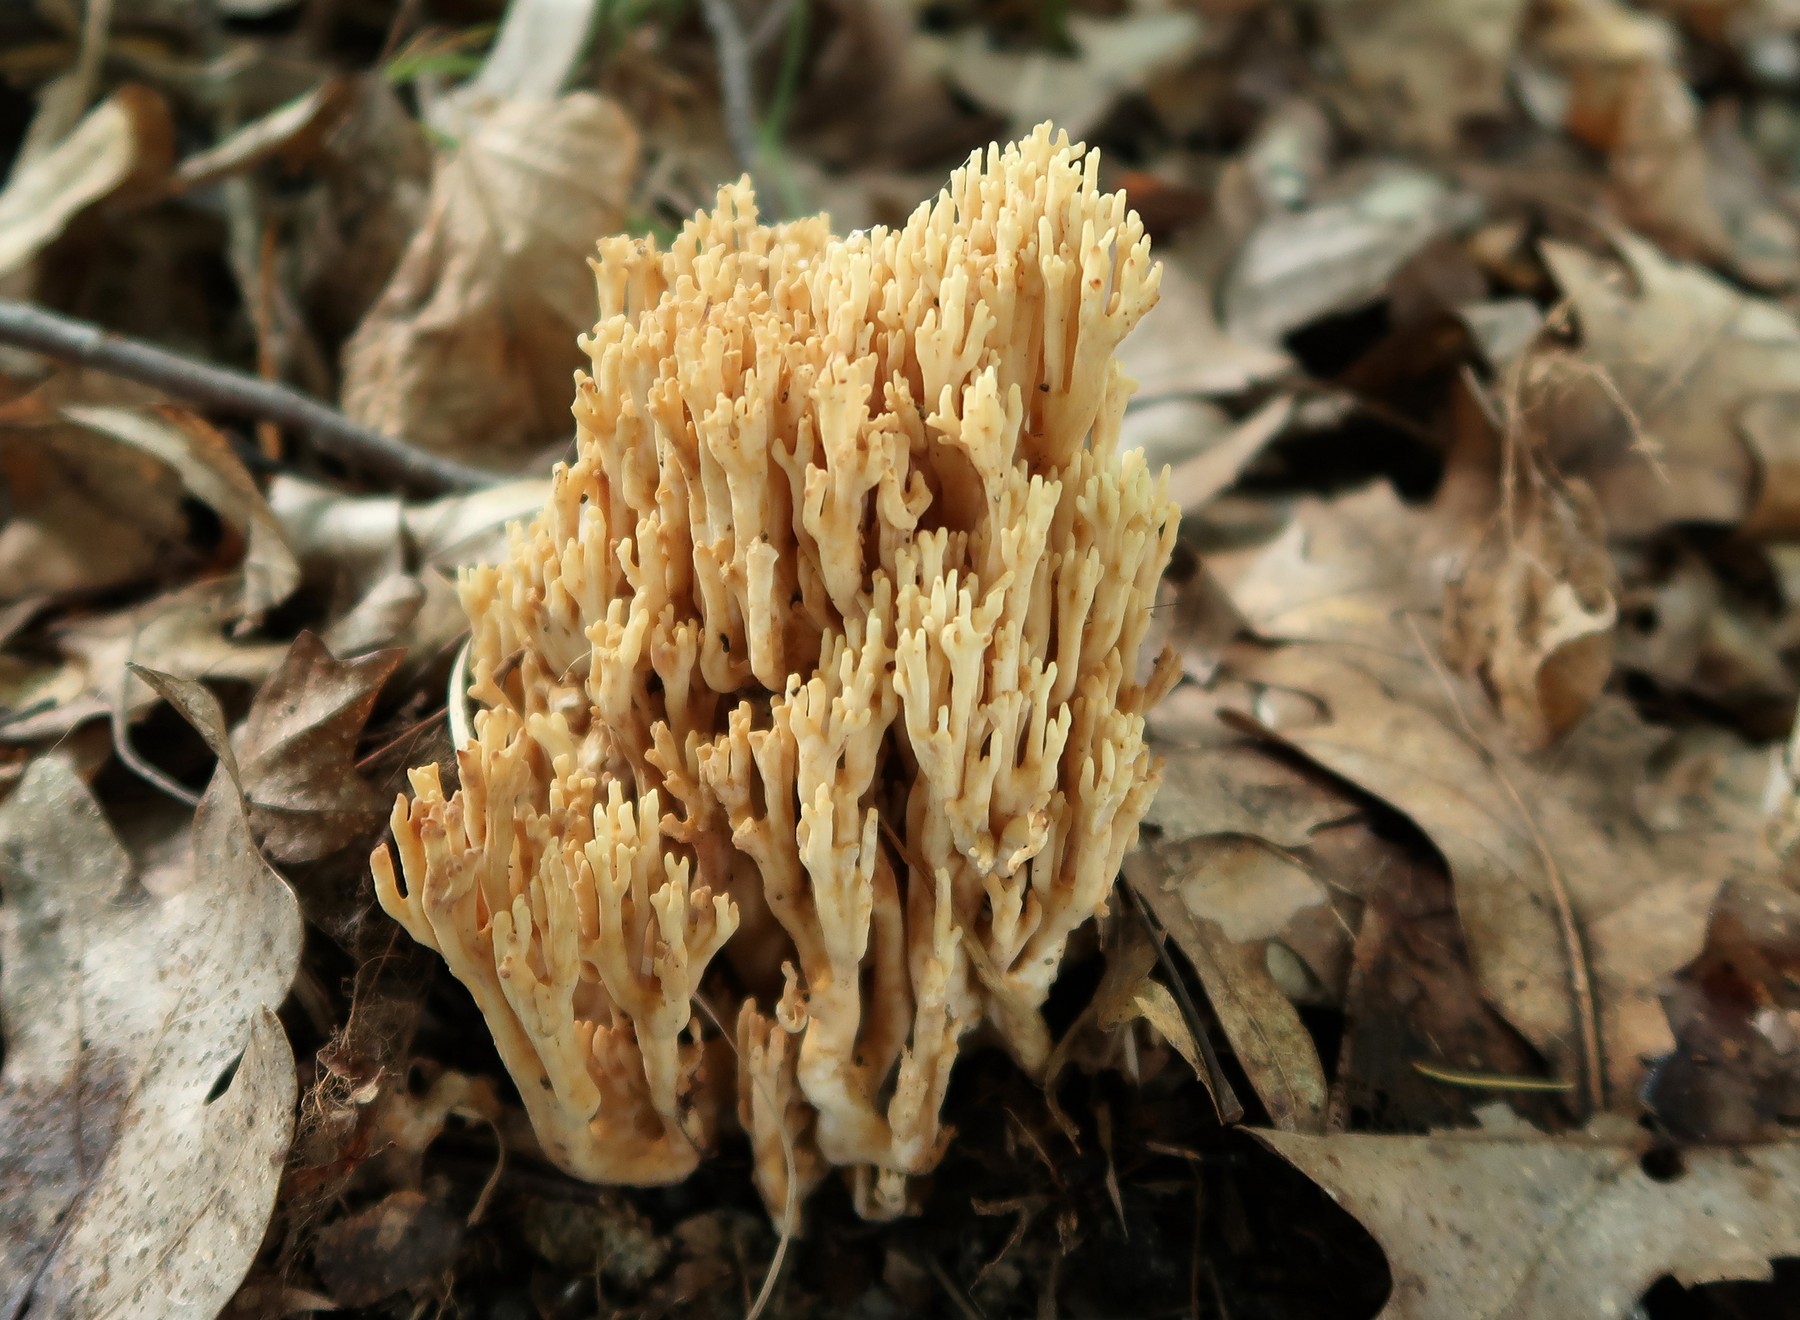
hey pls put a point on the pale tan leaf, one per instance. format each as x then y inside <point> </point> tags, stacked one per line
<point>125,138</point>
<point>202,457</point>
<point>287,128</point>
<point>1352,569</point>
<point>1238,789</point>
<point>184,632</point>
<point>1112,56</point>
<point>1196,481</point>
<point>1685,354</point>
<point>85,515</point>
<point>1264,1029</point>
<point>471,347</point>
<point>374,169</point>
<point>1179,349</point>
<point>297,750</point>
<point>1514,1224</point>
<point>1338,254</point>
<point>1417,70</point>
<point>127,1001</point>
<point>1535,610</point>
<point>196,704</point>
<point>1515,830</point>
<point>539,46</point>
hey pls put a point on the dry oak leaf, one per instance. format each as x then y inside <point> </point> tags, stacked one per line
<point>1339,253</point>
<point>1180,350</point>
<point>296,751</point>
<point>472,345</point>
<point>1522,834</point>
<point>374,172</point>
<point>1507,1222</point>
<point>1112,57</point>
<point>1349,569</point>
<point>1614,78</point>
<point>130,994</point>
<point>1361,577</point>
<point>292,130</point>
<point>1688,356</point>
<point>1237,788</point>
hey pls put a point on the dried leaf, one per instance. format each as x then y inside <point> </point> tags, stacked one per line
<point>1516,830</point>
<point>1680,176</point>
<point>297,750</point>
<point>1262,1025</point>
<point>383,616</point>
<point>1417,71</point>
<point>1340,253</point>
<point>1735,1011</point>
<point>202,457</point>
<point>1411,997</point>
<point>1352,569</point>
<point>540,45</point>
<point>289,129</point>
<point>85,515</point>
<point>197,705</point>
<point>184,632</point>
<point>347,544</point>
<point>127,138</point>
<point>374,171</point>
<point>471,346</point>
<point>1111,57</point>
<point>124,1190</point>
<point>1691,631</point>
<point>1179,348</point>
<point>1194,616</point>
<point>1238,789</point>
<point>1127,993</point>
<point>1534,612</point>
<point>1478,1226</point>
<point>1251,890</point>
<point>1384,712</point>
<point>1196,481</point>
<point>1685,354</point>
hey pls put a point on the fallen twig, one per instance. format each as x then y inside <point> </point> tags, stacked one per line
<point>736,86</point>
<point>329,431</point>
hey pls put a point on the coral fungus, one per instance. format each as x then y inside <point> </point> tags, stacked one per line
<point>822,660</point>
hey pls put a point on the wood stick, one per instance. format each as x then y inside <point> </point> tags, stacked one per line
<point>329,432</point>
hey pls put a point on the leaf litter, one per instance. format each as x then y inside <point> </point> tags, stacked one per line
<point>1471,879</point>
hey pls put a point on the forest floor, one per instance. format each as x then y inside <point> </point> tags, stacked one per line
<point>1457,970</point>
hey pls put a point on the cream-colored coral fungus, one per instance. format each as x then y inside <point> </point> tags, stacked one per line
<point>824,654</point>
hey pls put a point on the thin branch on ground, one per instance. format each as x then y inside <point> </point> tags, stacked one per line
<point>736,86</point>
<point>774,19</point>
<point>327,430</point>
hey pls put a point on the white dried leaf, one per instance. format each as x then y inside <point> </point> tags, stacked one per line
<point>471,347</point>
<point>125,135</point>
<point>1512,1223</point>
<point>128,998</point>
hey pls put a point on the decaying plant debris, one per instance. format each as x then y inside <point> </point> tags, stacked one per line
<point>1450,970</point>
